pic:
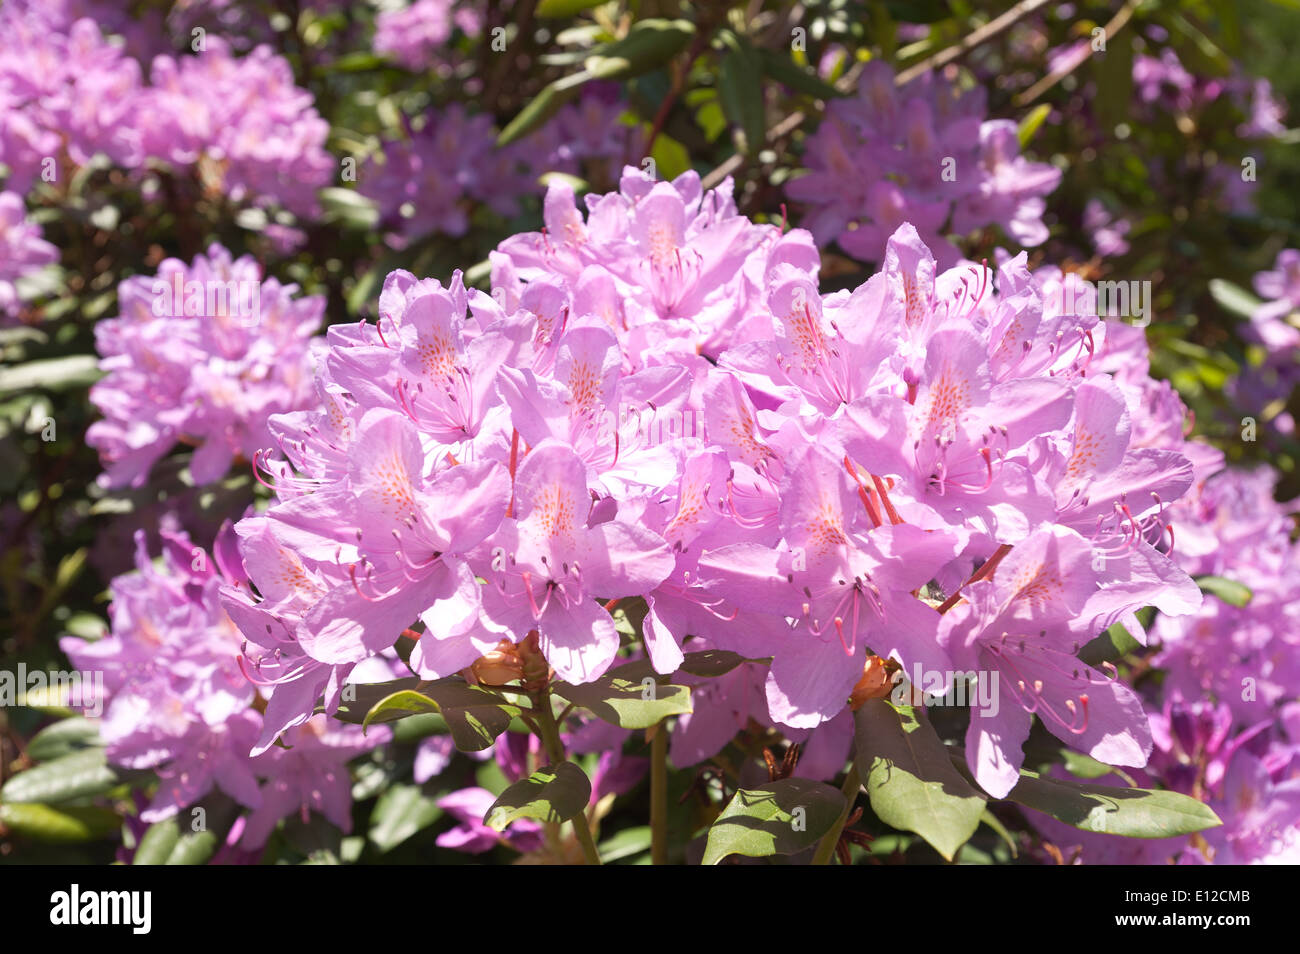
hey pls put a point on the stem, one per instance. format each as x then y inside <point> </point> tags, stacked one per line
<point>550,734</point>
<point>826,847</point>
<point>975,38</point>
<point>659,795</point>
<point>986,570</point>
<point>1047,82</point>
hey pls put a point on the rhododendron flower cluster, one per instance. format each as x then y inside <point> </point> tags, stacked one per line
<point>426,183</point>
<point>432,180</point>
<point>64,88</point>
<point>68,91</point>
<point>932,467</point>
<point>200,353</point>
<point>923,154</point>
<point>416,36</point>
<point>262,138</point>
<point>178,702</point>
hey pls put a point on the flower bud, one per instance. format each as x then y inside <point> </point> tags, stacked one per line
<point>876,681</point>
<point>499,666</point>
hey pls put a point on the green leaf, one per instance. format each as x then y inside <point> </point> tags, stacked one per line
<point>358,62</point>
<point>781,818</point>
<point>52,374</point>
<point>1030,124</point>
<point>194,848</point>
<point>474,716</point>
<point>910,778</point>
<point>360,698</point>
<point>1113,71</point>
<point>552,794</point>
<point>1111,645</point>
<point>711,662</point>
<point>69,823</point>
<point>702,662</point>
<point>400,813</point>
<point>542,107</point>
<point>740,88</point>
<point>625,844</point>
<point>1131,812</point>
<point>1233,298</point>
<point>63,738</point>
<point>670,156</point>
<point>1084,766</point>
<point>76,775</point>
<point>992,821</point>
<point>550,9</point>
<point>349,207</point>
<point>157,842</point>
<point>416,728</point>
<point>786,71</point>
<point>1230,591</point>
<point>918,11</point>
<point>648,44</point>
<point>628,697</point>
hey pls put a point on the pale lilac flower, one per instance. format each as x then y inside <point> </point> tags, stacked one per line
<point>204,354</point>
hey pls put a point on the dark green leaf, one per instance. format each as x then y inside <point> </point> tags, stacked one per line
<point>628,697</point>
<point>552,794</point>
<point>69,823</point>
<point>1111,645</point>
<point>910,778</point>
<point>781,818</point>
<point>789,73</point>
<point>1132,812</point>
<point>1230,591</point>
<point>157,842</point>
<point>73,776</point>
<point>1233,298</point>
<point>474,716</point>
<point>194,848</point>
<point>548,9</point>
<point>400,813</point>
<point>625,844</point>
<point>740,88</point>
<point>360,698</point>
<point>649,44</point>
<point>63,738</point>
<point>53,374</point>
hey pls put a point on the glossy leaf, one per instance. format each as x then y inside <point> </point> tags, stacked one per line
<point>564,8</point>
<point>63,738</point>
<point>910,778</point>
<point>76,775</point>
<point>629,697</point>
<point>552,794</point>
<point>475,717</point>
<point>740,88</point>
<point>781,818</point>
<point>400,812</point>
<point>1132,812</point>
<point>1230,591</point>
<point>63,823</point>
